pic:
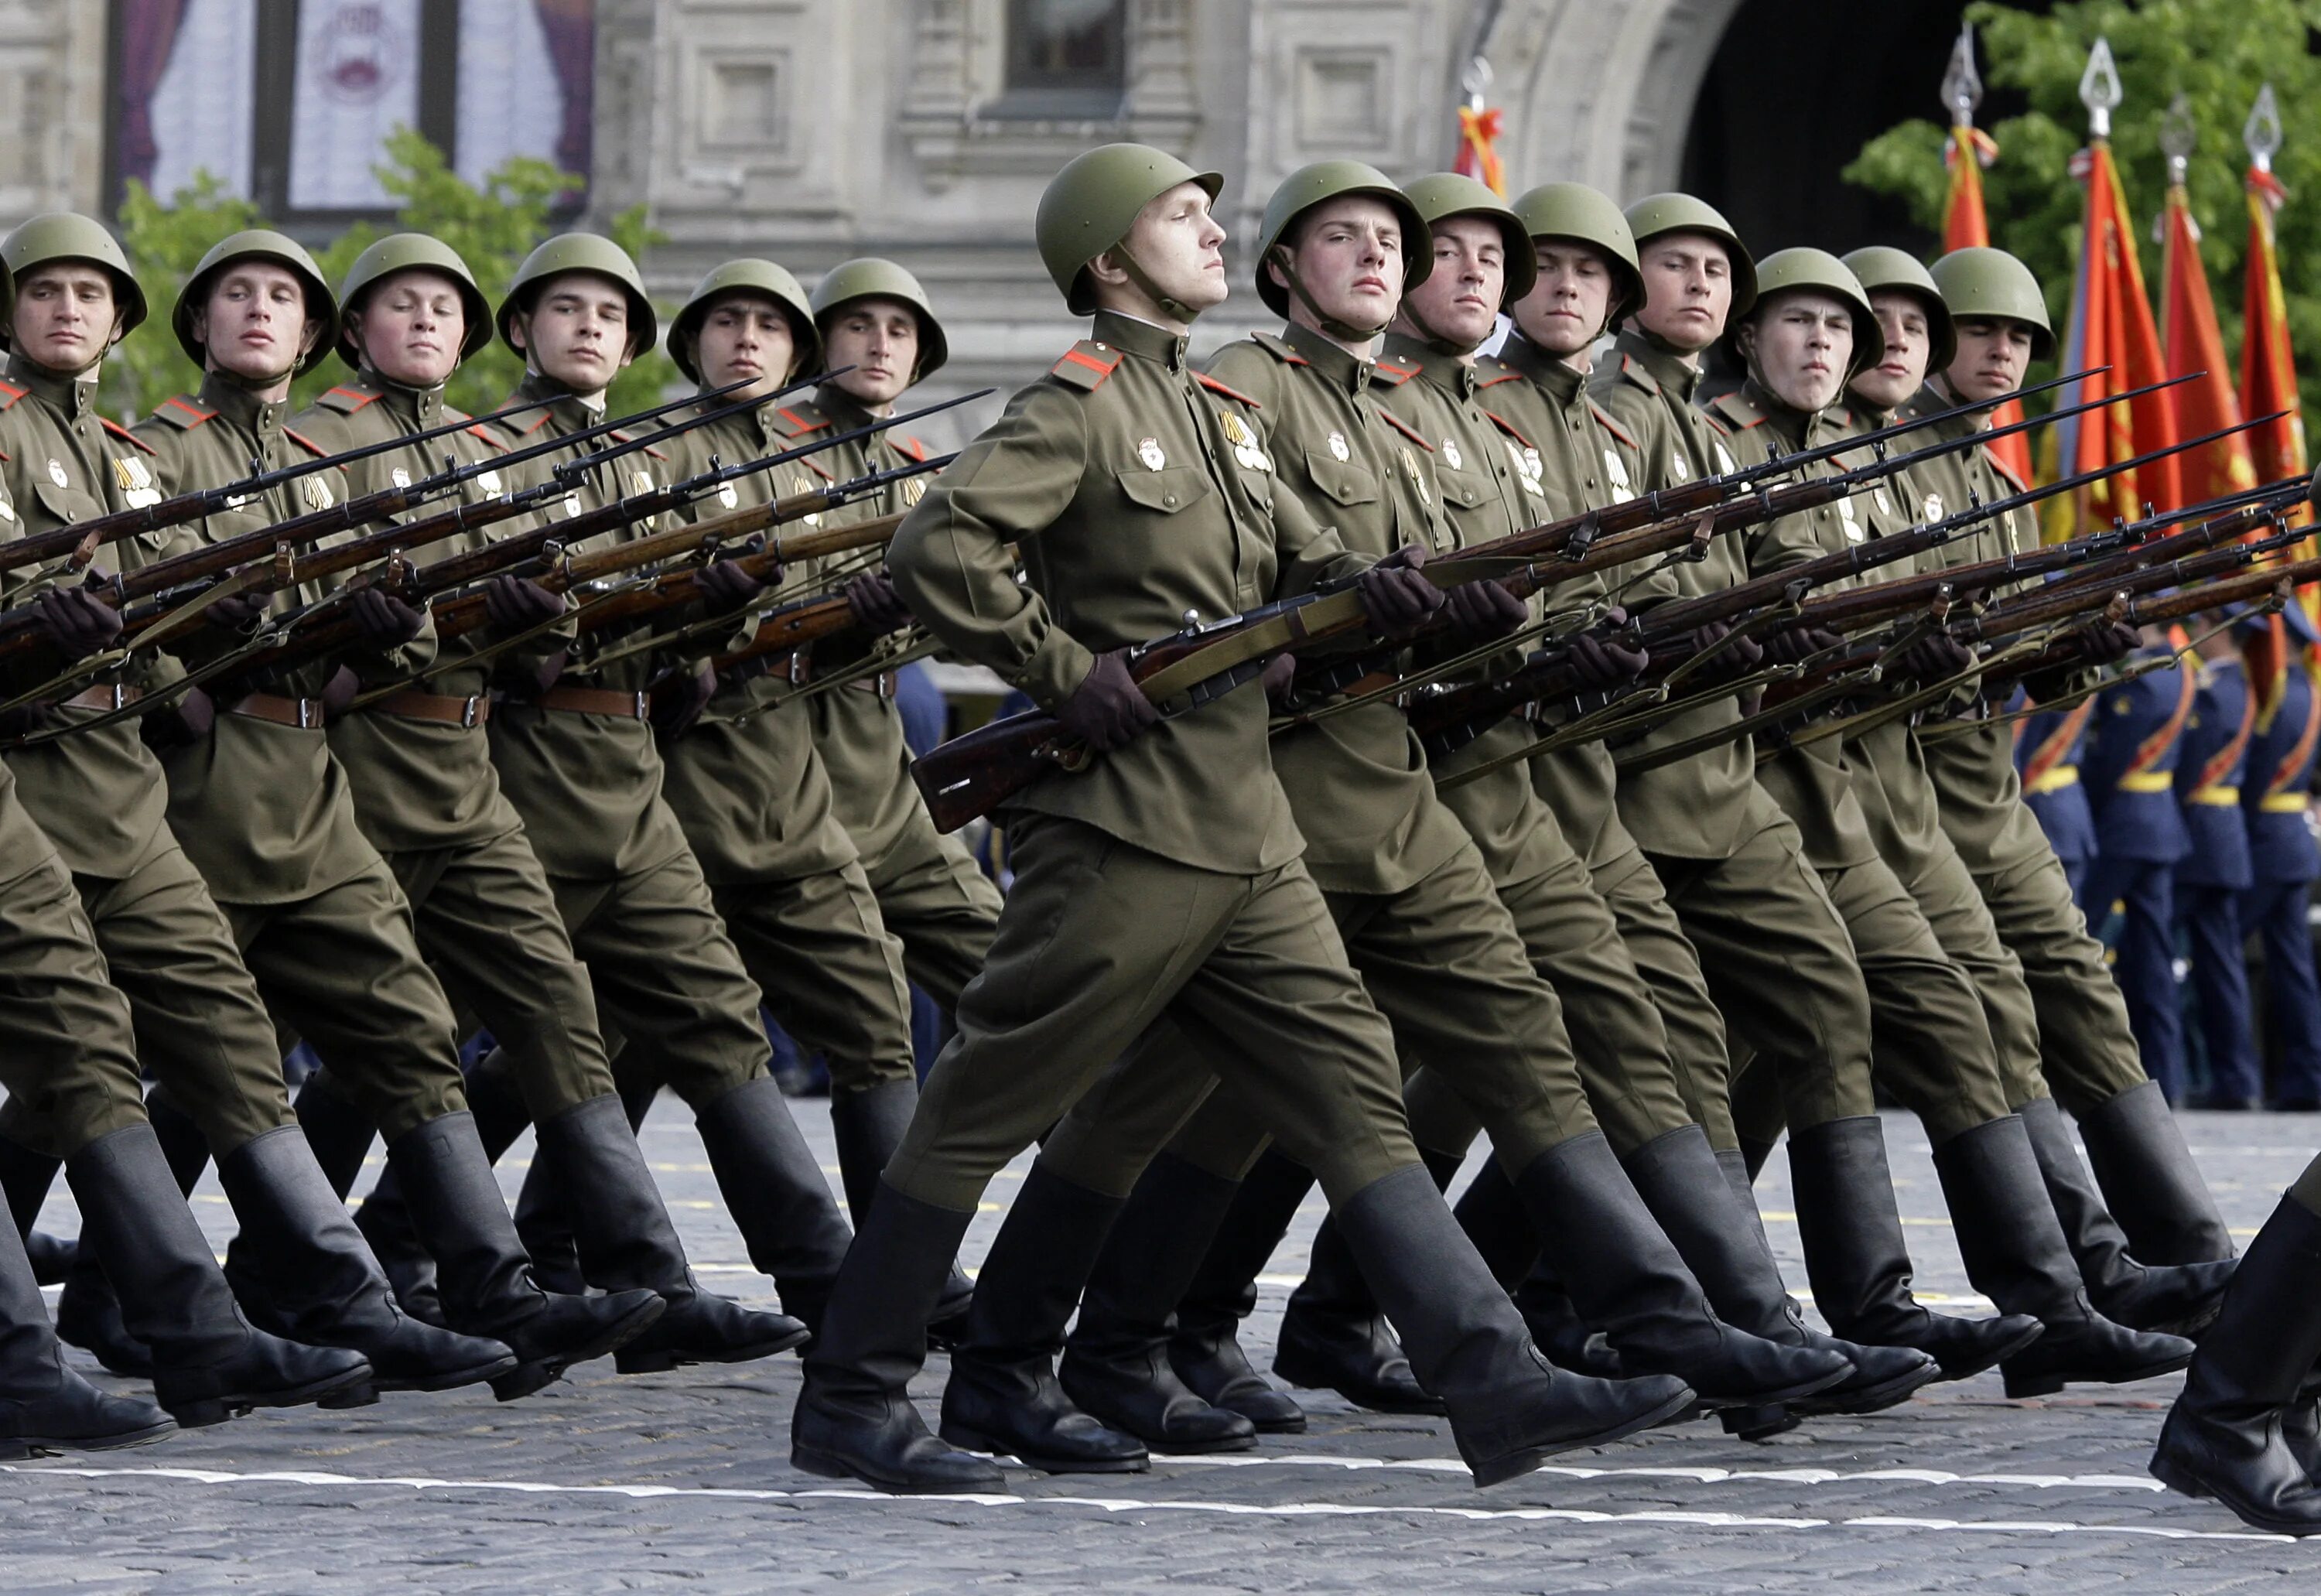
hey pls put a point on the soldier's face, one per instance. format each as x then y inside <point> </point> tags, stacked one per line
<point>410,326</point>
<point>1566,310</point>
<point>1349,258</point>
<point>1993,353</point>
<point>1798,345</point>
<point>1458,302</point>
<point>254,324</point>
<point>64,316</point>
<point>1179,246</point>
<point>578,331</point>
<point>1687,289</point>
<point>745,336</point>
<point>1908,341</point>
<point>879,338</point>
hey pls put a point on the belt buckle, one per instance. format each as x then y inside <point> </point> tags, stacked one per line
<point>800,660</point>
<point>640,698</point>
<point>468,715</point>
<point>310,713</point>
<point>120,697</point>
<point>888,680</point>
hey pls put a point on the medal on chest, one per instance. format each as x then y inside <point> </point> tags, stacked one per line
<point>135,482</point>
<point>803,484</point>
<point>57,472</point>
<point>728,495</point>
<point>399,477</point>
<point>1615,472</point>
<point>914,489</point>
<point>1451,455</point>
<point>1338,449</point>
<point>1527,468</point>
<point>1854,533</point>
<point>1249,457</point>
<point>1410,468</point>
<point>1934,508</point>
<point>314,492</point>
<point>1154,456</point>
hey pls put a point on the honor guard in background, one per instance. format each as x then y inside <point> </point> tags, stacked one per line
<point>2135,744</point>
<point>2214,873</point>
<point>2048,747</point>
<point>2277,798</point>
<point>1162,880</point>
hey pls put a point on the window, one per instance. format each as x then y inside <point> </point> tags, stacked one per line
<point>1066,57</point>
<point>289,102</point>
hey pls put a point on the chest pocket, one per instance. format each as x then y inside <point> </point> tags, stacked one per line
<point>1465,488</point>
<point>64,506</point>
<point>1341,480</point>
<point>1166,491</point>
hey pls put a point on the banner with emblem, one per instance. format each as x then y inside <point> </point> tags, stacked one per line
<point>2268,359</point>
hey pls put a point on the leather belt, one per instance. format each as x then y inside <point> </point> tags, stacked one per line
<point>796,667</point>
<point>415,704</point>
<point>104,698</point>
<point>2285,803</point>
<point>2219,797</point>
<point>306,714</point>
<point>2055,781</point>
<point>2147,781</point>
<point>594,701</point>
<point>882,684</point>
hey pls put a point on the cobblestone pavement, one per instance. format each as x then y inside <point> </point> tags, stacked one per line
<point>682,1481</point>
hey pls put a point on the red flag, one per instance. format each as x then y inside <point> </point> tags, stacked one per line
<point>2190,336</point>
<point>2111,326</point>
<point>2268,384</point>
<point>1479,155</point>
<point>1965,225</point>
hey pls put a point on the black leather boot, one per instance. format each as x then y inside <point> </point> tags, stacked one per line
<point>2224,1436</point>
<point>627,1243</point>
<point>51,1256</point>
<point>44,1406</point>
<point>88,1315</point>
<point>1003,1396</point>
<point>1703,1200</point>
<point>25,1177</point>
<point>183,1144</point>
<point>1333,1337</point>
<point>855,1417</point>
<point>1492,1214</point>
<point>2173,1299</point>
<point>1205,1350</point>
<point>2016,1254</point>
<point>868,1127</point>
<point>1116,1365</point>
<point>543,1221</point>
<point>209,1363</point>
<point>773,1187</point>
<point>1509,1409</point>
<point>2138,1152</point>
<point>301,1271</point>
<point>486,1281</point>
<point>338,1130</point>
<point>1624,1274</point>
<point>1859,1263</point>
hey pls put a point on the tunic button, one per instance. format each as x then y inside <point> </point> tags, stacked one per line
<point>1167,498</point>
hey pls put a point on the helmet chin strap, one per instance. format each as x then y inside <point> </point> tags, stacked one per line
<point>1175,309</point>
<point>1346,332</point>
<point>249,385</point>
<point>1434,340</point>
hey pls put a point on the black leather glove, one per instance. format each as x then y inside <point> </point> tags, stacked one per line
<point>725,586</point>
<point>1933,657</point>
<point>678,700</point>
<point>518,603</point>
<point>186,718</point>
<point>340,691</point>
<point>1481,611</point>
<point>2104,642</point>
<point>78,624</point>
<point>1799,643</point>
<point>877,609</point>
<point>1395,596</point>
<point>1108,708</point>
<point>1736,657</point>
<point>24,720</point>
<point>1599,663</point>
<point>387,622</point>
<point>237,612</point>
<point>1278,677</point>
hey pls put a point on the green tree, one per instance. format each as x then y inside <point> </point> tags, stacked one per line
<point>2216,54</point>
<point>493,226</point>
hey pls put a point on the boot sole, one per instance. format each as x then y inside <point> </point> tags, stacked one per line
<point>450,1378</point>
<point>2047,1385</point>
<point>209,1410</point>
<point>1516,1465</point>
<point>2184,1482</point>
<point>1781,1397</point>
<point>830,1467</point>
<point>1265,1426</point>
<point>57,1445</point>
<point>1760,1424</point>
<point>1376,1402</point>
<point>2013,1348</point>
<point>534,1375</point>
<point>968,1438</point>
<point>628,1360</point>
<point>1876,1398</point>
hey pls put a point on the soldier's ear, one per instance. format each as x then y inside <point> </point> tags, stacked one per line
<point>308,337</point>
<point>519,331</point>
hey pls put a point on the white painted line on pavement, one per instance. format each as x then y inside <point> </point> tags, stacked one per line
<point>1296,1510</point>
<point>1703,1476</point>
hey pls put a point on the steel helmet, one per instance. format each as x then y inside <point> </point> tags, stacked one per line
<point>1882,266</point>
<point>580,251</point>
<point>1441,195</point>
<point>1657,215</point>
<point>1980,282</point>
<point>258,243</point>
<point>62,235</point>
<point>1819,271</point>
<point>411,251</point>
<point>870,278</point>
<point>1587,216</point>
<point>1089,206</point>
<point>1309,187</point>
<point>750,276</point>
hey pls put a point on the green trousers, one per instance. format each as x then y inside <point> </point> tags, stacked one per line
<point>67,1055</point>
<point>2086,1049</point>
<point>1098,940</point>
<point>936,900</point>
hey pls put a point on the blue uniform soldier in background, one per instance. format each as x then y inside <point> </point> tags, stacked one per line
<point>2276,800</point>
<point>2213,874</point>
<point>2048,748</point>
<point>2134,743</point>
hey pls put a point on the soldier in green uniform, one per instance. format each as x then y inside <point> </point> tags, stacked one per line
<point>1421,923</point>
<point>1164,878</point>
<point>266,812</point>
<point>2089,1055</point>
<point>1811,330</point>
<point>1902,807</point>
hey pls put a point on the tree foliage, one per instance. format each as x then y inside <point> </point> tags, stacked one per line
<point>492,225</point>
<point>2216,53</point>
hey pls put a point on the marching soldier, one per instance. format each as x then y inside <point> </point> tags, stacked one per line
<point>1163,880</point>
<point>2283,861</point>
<point>2214,873</point>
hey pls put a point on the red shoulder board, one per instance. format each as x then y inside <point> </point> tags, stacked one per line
<point>2005,472</point>
<point>623,435</point>
<point>357,398</point>
<point>1508,427</point>
<point>1405,428</point>
<point>1504,375</point>
<point>1395,376</point>
<point>1603,419</point>
<point>906,445</point>
<point>10,393</point>
<point>307,443</point>
<point>1215,387</point>
<point>1086,364</point>
<point>536,426</point>
<point>1736,414</point>
<point>479,430</point>
<point>124,433</point>
<point>189,416</point>
<point>802,424</point>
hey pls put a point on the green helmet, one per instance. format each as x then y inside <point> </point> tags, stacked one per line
<point>1882,266</point>
<point>1089,206</point>
<point>1441,195</point>
<point>258,243</point>
<point>410,252</point>
<point>61,235</point>
<point>750,276</point>
<point>1986,282</point>
<point>1784,270</point>
<point>870,278</point>
<point>1309,187</point>
<point>580,251</point>
<point>1587,216</point>
<point>1656,215</point>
